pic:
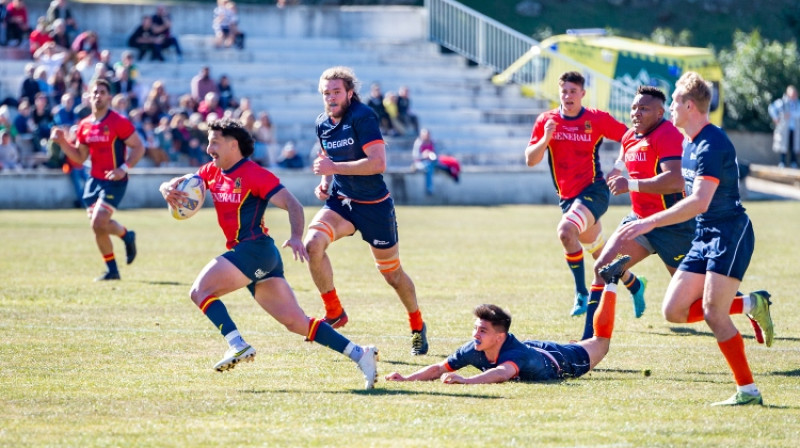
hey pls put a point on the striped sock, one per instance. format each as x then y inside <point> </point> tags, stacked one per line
<point>633,284</point>
<point>575,263</point>
<point>324,334</point>
<point>594,301</point>
<point>217,313</point>
<point>111,262</point>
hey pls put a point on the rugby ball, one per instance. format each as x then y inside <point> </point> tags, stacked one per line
<point>194,186</point>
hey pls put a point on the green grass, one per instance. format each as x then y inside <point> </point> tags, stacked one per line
<point>129,363</point>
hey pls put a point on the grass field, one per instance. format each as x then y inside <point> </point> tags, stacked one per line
<point>129,363</point>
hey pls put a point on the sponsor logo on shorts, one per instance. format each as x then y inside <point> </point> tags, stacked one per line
<point>679,257</point>
<point>260,274</point>
<point>588,198</point>
<point>377,242</point>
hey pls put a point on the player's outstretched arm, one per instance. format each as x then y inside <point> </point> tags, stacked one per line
<point>77,153</point>
<point>285,199</point>
<point>428,373</point>
<point>499,374</point>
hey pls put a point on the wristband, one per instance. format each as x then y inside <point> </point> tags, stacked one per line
<point>633,185</point>
<point>124,167</point>
<point>619,165</point>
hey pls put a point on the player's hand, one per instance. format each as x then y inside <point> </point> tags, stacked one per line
<point>323,165</point>
<point>58,135</point>
<point>618,185</point>
<point>394,376</point>
<point>173,197</point>
<point>321,192</point>
<point>116,174</point>
<point>452,378</point>
<point>549,128</point>
<point>298,249</point>
<point>635,228</point>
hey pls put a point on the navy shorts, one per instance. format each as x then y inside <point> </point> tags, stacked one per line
<point>109,191</point>
<point>671,243</point>
<point>595,197</point>
<point>257,259</point>
<point>376,222</point>
<point>724,247</point>
<point>572,358</point>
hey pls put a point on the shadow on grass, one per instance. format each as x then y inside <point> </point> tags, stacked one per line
<point>795,372</point>
<point>684,331</point>
<point>165,283</point>
<point>377,391</point>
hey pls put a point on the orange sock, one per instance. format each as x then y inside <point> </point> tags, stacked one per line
<point>696,309</point>
<point>415,320</point>
<point>733,350</point>
<point>333,308</point>
<point>604,317</point>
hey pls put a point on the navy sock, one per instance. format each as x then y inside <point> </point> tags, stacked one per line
<point>217,313</point>
<point>594,301</point>
<point>323,334</point>
<point>575,263</point>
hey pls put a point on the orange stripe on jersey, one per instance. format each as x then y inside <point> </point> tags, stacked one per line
<point>514,365</point>
<point>709,178</point>
<point>313,325</point>
<point>374,142</point>
<point>206,302</point>
<point>448,368</point>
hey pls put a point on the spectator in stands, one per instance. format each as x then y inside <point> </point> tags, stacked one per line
<point>390,105</point>
<point>9,153</point>
<point>57,84</point>
<point>84,108</point>
<point>42,119</point>
<point>85,65</point>
<point>202,83</point>
<point>127,62</point>
<point>186,105</point>
<point>125,86</point>
<point>145,39</point>
<point>50,58</point>
<point>105,58</point>
<point>221,25</point>
<point>39,36</point>
<point>162,27</point>
<point>59,9</point>
<point>244,105</point>
<point>44,87</point>
<point>180,136</point>
<point>375,102</point>
<point>427,160</point>
<point>23,127</point>
<point>86,42</point>
<point>159,96</point>
<point>785,114</point>
<point>151,113</point>
<point>264,134</point>
<point>29,87</point>
<point>75,84</point>
<point>58,33</point>
<point>17,25</point>
<point>5,122</point>
<point>289,158</point>
<point>64,113</point>
<point>210,104</point>
<point>120,104</point>
<point>236,33</point>
<point>163,135</point>
<point>226,98</point>
<point>3,23</point>
<point>406,117</point>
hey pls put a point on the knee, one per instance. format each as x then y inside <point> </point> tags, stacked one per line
<point>567,232</point>
<point>297,326</point>
<point>316,245</point>
<point>673,314</point>
<point>394,278</point>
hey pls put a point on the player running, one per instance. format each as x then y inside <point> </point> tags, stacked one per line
<point>571,135</point>
<point>104,137</point>
<point>724,239</point>
<point>350,164</point>
<point>241,190</point>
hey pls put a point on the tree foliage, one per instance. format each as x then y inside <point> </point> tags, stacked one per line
<point>755,73</point>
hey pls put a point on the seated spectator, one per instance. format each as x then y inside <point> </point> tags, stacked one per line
<point>84,108</point>
<point>152,149</point>
<point>202,83</point>
<point>235,32</point>
<point>85,65</point>
<point>390,105</point>
<point>57,86</point>
<point>44,87</point>
<point>162,27</point>
<point>406,117</point>
<point>75,84</point>
<point>64,114</point>
<point>158,95</point>
<point>265,135</point>
<point>210,104</point>
<point>50,57</point>
<point>226,98</point>
<point>105,58</point>
<point>126,86</point>
<point>226,25</point>
<point>86,42</point>
<point>145,39</point>
<point>42,119</point>
<point>9,153</point>
<point>39,36</point>
<point>59,9</point>
<point>127,62</point>
<point>244,105</point>
<point>17,25</point>
<point>5,122</point>
<point>24,127</point>
<point>425,159</point>
<point>151,113</point>
<point>163,135</point>
<point>289,158</point>
<point>186,106</point>
<point>29,87</point>
<point>59,35</point>
<point>120,104</point>
<point>375,102</point>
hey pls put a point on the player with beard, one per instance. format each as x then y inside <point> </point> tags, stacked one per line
<point>110,141</point>
<point>351,161</point>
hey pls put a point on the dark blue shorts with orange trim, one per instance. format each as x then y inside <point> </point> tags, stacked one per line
<point>376,222</point>
<point>724,247</point>
<point>595,197</point>
<point>257,259</point>
<point>670,243</point>
<point>110,192</point>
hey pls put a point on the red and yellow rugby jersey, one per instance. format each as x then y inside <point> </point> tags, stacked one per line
<point>643,155</point>
<point>240,197</point>
<point>573,150</point>
<point>106,141</point>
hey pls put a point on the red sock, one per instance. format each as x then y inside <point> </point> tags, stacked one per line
<point>604,317</point>
<point>333,308</point>
<point>696,309</point>
<point>733,350</point>
<point>415,320</point>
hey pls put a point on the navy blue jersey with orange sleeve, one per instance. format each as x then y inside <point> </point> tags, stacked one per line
<point>240,196</point>
<point>345,141</point>
<point>573,149</point>
<point>531,364</point>
<point>710,155</point>
<point>106,141</point>
<point>643,155</point>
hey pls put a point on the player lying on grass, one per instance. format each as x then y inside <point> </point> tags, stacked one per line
<point>500,356</point>
<point>241,190</point>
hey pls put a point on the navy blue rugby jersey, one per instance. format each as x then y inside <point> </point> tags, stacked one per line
<point>710,155</point>
<point>531,364</point>
<point>345,141</point>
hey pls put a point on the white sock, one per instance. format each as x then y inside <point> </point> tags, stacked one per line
<point>353,351</point>
<point>750,389</point>
<point>747,304</point>
<point>235,339</point>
